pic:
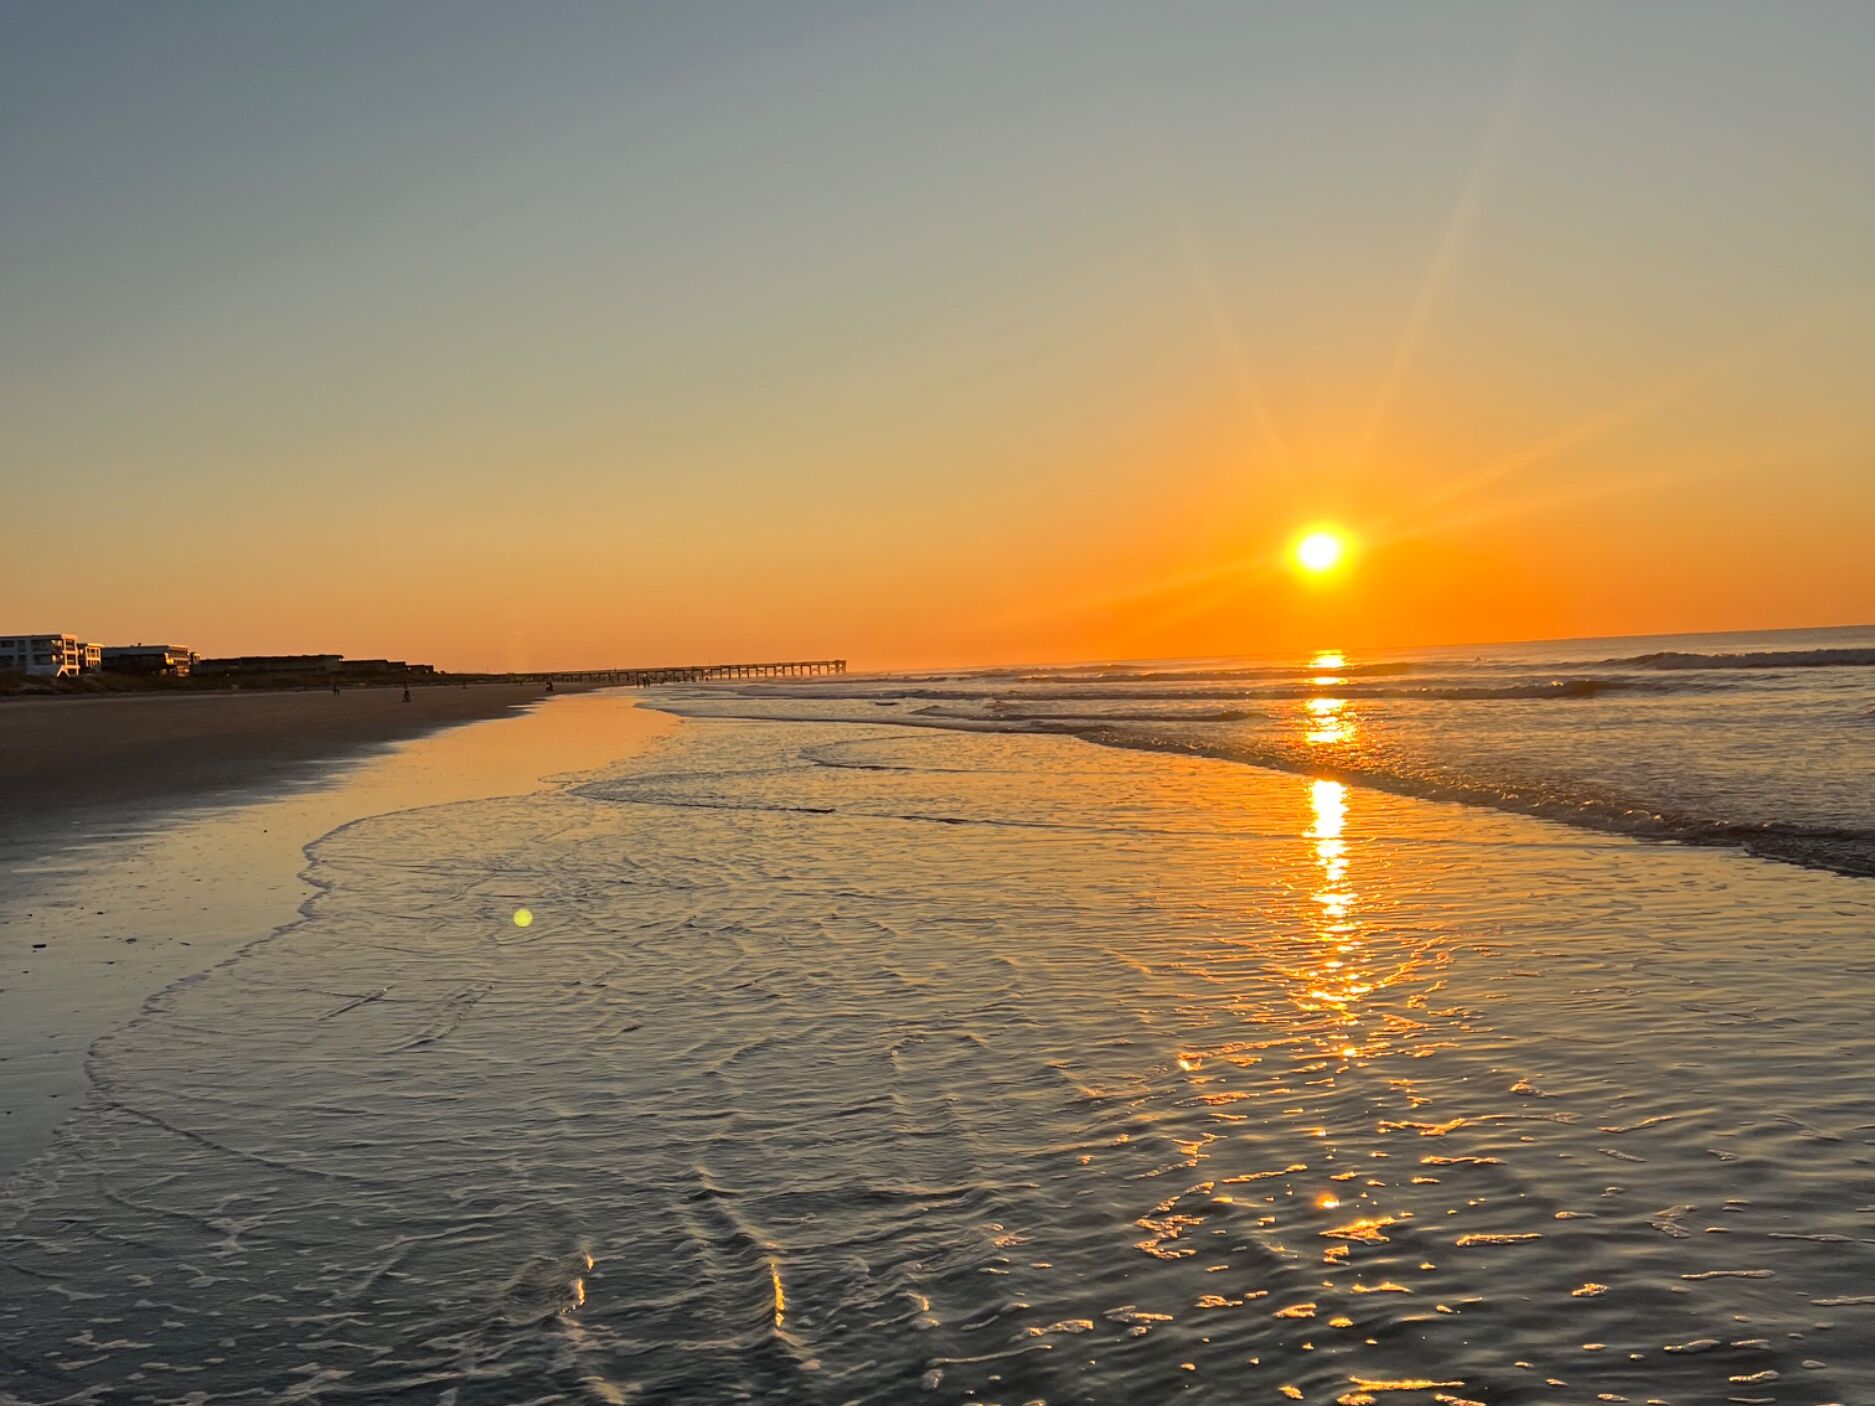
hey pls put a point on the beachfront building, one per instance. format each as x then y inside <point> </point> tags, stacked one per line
<point>170,660</point>
<point>383,666</point>
<point>307,664</point>
<point>270,664</point>
<point>57,656</point>
<point>91,657</point>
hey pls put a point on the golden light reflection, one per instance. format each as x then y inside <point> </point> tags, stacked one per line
<point>1335,981</point>
<point>1328,721</point>
<point>1325,976</point>
<point>1329,801</point>
<point>781,1299</point>
<point>579,1280</point>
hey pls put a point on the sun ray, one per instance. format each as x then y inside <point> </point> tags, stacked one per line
<point>1455,235</point>
<point>1635,408</point>
<point>1230,343</point>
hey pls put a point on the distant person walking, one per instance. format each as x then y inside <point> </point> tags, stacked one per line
<point>406,693</point>
<point>335,688</point>
<point>550,685</point>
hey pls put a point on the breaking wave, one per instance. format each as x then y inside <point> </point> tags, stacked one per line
<point>1757,659</point>
<point>1584,687</point>
<point>1844,849</point>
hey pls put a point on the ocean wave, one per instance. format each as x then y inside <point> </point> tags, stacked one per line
<point>1760,659</point>
<point>1004,698</point>
<point>1014,714</point>
<point>1860,656</point>
<point>1124,674</point>
<point>1843,849</point>
<point>1847,848</point>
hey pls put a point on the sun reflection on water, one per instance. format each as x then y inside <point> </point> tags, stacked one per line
<point>1326,667</point>
<point>1328,721</point>
<point>1327,718</point>
<point>1329,802</point>
<point>1335,981</point>
<point>1333,1000</point>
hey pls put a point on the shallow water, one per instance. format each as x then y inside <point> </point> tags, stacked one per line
<point>853,1064</point>
<point>139,901</point>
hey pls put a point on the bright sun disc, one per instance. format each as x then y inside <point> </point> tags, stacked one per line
<point>1319,550</point>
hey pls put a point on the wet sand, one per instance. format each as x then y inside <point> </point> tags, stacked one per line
<point>869,1063</point>
<point>171,876</point>
<point>71,765</point>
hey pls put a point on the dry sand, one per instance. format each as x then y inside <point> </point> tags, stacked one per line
<point>69,764</point>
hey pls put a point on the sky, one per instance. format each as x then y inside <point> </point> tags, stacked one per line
<point>575,335</point>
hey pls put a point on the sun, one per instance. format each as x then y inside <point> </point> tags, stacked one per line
<point>1319,551</point>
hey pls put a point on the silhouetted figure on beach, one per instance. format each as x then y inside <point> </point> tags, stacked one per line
<point>335,688</point>
<point>406,693</point>
<point>550,685</point>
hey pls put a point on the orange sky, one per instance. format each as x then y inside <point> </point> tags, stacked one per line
<point>633,337</point>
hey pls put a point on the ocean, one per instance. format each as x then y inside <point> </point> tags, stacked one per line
<point>1497,1034</point>
<point>1763,740</point>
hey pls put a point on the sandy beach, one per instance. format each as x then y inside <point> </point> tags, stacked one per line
<point>155,873</point>
<point>69,766</point>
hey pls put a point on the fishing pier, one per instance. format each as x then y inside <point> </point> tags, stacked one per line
<point>688,673</point>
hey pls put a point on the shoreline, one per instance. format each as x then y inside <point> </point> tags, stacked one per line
<point>139,894</point>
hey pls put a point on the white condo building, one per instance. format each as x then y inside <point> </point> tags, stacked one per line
<point>49,656</point>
